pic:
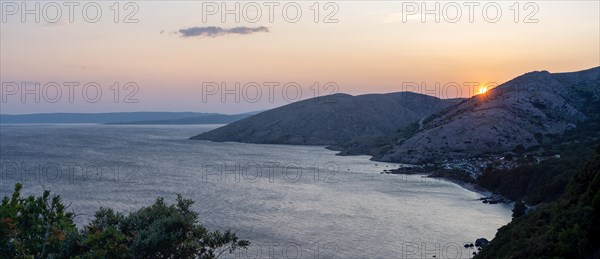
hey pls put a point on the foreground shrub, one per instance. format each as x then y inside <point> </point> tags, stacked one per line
<point>39,227</point>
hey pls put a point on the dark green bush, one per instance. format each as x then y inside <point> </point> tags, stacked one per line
<point>565,228</point>
<point>39,227</point>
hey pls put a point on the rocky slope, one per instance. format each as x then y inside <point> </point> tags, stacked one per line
<point>516,114</point>
<point>331,120</point>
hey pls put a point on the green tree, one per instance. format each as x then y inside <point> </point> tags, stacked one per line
<point>33,226</point>
<point>161,231</point>
<point>39,227</point>
<point>519,209</point>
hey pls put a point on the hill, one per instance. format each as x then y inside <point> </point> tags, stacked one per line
<point>330,120</point>
<point>520,112</point>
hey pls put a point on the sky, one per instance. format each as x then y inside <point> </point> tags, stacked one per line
<point>195,56</point>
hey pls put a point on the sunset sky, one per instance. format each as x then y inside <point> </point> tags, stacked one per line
<point>369,50</point>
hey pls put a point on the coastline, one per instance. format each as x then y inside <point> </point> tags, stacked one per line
<point>458,177</point>
<point>469,186</point>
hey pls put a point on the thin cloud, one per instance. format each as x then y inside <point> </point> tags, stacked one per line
<point>213,31</point>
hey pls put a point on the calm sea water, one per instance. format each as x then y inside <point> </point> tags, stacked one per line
<point>289,201</point>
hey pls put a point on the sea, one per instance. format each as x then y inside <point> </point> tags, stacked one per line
<point>288,201</point>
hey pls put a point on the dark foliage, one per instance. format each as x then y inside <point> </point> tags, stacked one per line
<point>519,209</point>
<point>565,228</point>
<point>39,227</point>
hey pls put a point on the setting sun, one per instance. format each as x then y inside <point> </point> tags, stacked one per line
<point>483,89</point>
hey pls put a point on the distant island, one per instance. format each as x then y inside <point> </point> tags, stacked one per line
<point>126,118</point>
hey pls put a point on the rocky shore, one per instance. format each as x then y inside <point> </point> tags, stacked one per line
<point>463,178</point>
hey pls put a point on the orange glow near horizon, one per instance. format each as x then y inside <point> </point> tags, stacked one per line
<point>483,89</point>
<point>368,50</point>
